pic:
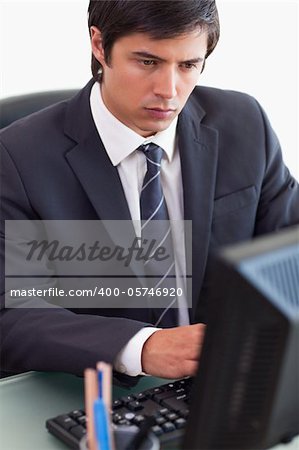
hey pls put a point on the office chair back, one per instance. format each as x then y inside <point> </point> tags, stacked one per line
<point>14,108</point>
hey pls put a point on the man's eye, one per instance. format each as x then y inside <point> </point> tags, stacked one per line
<point>148,62</point>
<point>189,66</point>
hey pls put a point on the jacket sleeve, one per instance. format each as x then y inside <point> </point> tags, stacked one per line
<point>279,198</point>
<point>50,339</point>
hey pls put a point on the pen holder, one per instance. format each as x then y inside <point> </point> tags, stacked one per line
<point>123,435</point>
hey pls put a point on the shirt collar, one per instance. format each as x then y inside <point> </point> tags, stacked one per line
<point>118,139</point>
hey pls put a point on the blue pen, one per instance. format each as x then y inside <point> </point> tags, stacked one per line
<point>100,383</point>
<point>101,424</point>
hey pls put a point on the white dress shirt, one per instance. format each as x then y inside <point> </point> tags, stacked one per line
<point>121,143</point>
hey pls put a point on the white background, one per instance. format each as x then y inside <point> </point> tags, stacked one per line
<point>45,46</point>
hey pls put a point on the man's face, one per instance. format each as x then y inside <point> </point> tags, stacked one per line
<point>147,81</point>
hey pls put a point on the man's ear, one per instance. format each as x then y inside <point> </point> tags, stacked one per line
<point>96,44</point>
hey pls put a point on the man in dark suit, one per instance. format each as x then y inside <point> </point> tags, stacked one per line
<point>221,168</point>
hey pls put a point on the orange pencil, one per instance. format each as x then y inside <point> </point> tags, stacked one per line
<point>91,394</point>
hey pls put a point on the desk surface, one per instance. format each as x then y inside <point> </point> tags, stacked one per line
<point>27,400</point>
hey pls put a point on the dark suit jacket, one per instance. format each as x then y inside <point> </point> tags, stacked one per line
<point>55,167</point>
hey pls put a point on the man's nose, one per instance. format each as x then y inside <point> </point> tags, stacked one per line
<point>166,83</point>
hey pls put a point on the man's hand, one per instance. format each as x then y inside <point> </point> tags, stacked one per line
<point>173,352</point>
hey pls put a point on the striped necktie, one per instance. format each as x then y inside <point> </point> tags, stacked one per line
<point>155,227</point>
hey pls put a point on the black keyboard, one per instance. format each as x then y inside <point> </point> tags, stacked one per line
<point>168,404</point>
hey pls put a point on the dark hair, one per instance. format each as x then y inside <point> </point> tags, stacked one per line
<point>161,19</point>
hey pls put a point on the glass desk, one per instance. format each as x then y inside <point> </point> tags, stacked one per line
<point>28,400</point>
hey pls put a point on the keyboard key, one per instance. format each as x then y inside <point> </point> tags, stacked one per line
<point>172,416</point>
<point>75,414</point>
<point>135,406</point>
<point>116,417</point>
<point>127,399</point>
<point>168,426</point>
<point>163,411</point>
<point>157,390</point>
<point>138,419</point>
<point>66,422</point>
<point>129,416</point>
<point>141,397</point>
<point>160,420</point>
<point>157,430</point>
<point>175,403</point>
<point>116,404</point>
<point>184,413</point>
<point>82,420</point>
<point>124,422</point>
<point>181,391</point>
<point>151,392</point>
<point>159,397</point>
<point>180,423</point>
<point>78,432</point>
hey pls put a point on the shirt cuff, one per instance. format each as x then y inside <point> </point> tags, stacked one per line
<point>128,360</point>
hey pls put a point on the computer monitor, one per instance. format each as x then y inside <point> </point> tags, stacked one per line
<point>246,392</point>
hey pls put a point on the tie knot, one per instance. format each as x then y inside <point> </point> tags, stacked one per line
<point>153,153</point>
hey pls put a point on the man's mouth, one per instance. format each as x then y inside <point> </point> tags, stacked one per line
<point>160,113</point>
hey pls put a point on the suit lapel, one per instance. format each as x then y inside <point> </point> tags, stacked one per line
<point>198,146</point>
<point>90,162</point>
<point>98,177</point>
